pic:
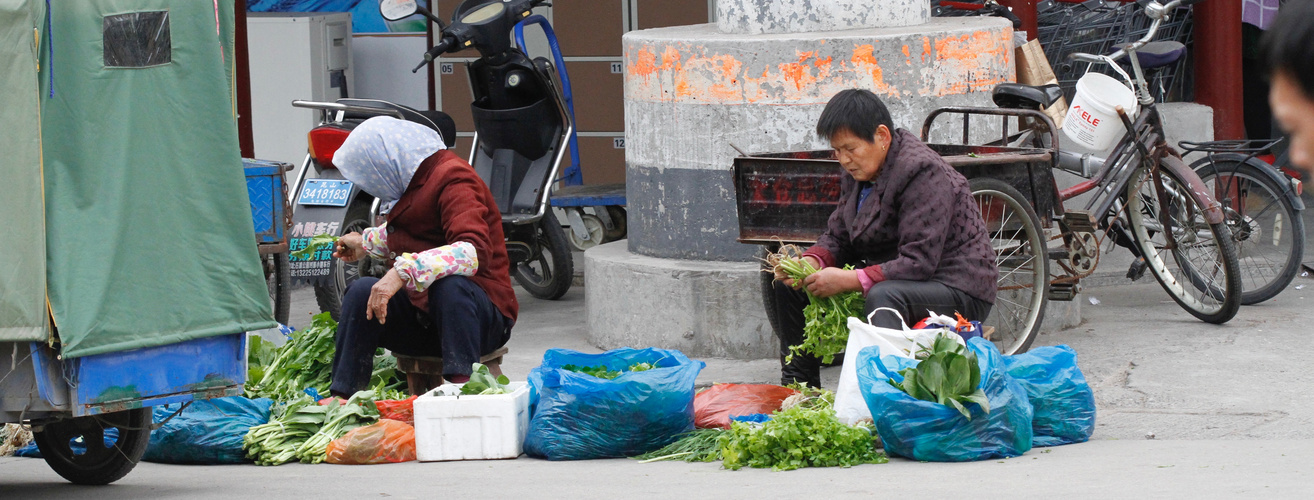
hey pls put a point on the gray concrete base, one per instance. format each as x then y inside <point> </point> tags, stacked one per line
<point>701,308</point>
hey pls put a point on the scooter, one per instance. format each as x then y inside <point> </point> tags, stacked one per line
<point>520,142</point>
<point>522,126</point>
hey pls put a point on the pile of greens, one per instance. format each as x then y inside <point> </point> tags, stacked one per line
<point>825,327</point>
<point>306,361</point>
<point>316,243</point>
<point>948,374</point>
<point>303,429</point>
<point>602,372</point>
<point>804,434</point>
<point>481,382</point>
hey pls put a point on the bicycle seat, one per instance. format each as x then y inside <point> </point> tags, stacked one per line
<point>1019,96</point>
<point>1157,54</point>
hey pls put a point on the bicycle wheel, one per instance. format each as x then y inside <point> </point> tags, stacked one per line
<point>1200,272</point>
<point>1023,263</point>
<point>1266,228</point>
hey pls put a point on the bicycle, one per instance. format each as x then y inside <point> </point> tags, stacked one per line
<point>1145,198</point>
<point>1262,207</point>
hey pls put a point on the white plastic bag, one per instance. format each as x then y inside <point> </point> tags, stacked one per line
<point>850,406</point>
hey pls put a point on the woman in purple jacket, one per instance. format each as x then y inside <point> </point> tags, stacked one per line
<point>907,223</point>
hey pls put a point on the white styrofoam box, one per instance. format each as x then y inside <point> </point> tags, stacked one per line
<point>449,426</point>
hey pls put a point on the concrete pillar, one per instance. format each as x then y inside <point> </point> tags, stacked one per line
<point>752,80</point>
<point>755,17</point>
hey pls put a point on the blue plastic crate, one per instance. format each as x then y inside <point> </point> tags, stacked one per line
<point>264,187</point>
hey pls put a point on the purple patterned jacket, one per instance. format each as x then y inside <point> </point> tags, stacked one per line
<point>919,223</point>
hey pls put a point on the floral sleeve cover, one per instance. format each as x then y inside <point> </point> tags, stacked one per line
<point>375,241</point>
<point>422,269</point>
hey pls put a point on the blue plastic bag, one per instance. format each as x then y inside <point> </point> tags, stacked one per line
<point>577,416</point>
<point>1064,403</point>
<point>929,431</point>
<point>207,432</point>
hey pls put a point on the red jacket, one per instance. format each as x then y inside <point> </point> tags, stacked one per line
<point>447,202</point>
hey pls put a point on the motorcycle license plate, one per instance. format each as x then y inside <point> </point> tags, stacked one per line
<point>325,192</point>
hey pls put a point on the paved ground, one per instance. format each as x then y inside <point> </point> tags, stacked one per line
<point>1186,410</point>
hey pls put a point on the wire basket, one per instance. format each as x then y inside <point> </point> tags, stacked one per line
<point>1095,27</point>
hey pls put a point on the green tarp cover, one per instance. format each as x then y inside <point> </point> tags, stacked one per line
<point>148,227</point>
<point>23,255</point>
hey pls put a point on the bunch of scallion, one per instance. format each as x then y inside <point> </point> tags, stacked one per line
<point>825,327</point>
<point>698,445</point>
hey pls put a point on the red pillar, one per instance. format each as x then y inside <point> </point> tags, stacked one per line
<point>1026,11</point>
<point>1217,51</point>
<point>244,135</point>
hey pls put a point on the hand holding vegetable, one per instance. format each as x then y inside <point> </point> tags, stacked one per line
<point>380,294</point>
<point>315,243</point>
<point>789,281</point>
<point>832,281</point>
<point>349,248</point>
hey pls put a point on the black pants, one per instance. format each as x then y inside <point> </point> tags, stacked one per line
<point>911,298</point>
<point>462,325</point>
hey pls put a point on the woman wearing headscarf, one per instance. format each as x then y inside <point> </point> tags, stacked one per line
<point>443,238</point>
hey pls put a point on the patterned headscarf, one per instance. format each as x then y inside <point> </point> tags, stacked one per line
<point>382,154</point>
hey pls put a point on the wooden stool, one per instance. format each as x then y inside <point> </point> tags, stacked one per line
<point>426,372</point>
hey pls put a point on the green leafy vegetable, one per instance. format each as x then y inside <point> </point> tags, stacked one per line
<point>306,361</point>
<point>599,371</point>
<point>948,374</point>
<point>316,243</point>
<point>825,327</point>
<point>602,372</point>
<point>806,434</point>
<point>641,367</point>
<point>303,429</point>
<point>482,382</point>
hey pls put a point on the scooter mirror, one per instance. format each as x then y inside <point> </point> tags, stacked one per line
<point>395,10</point>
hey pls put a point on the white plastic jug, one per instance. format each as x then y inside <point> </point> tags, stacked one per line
<point>1092,119</point>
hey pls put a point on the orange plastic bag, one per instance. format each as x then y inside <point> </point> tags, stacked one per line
<point>401,410</point>
<point>388,441</point>
<point>714,406</point>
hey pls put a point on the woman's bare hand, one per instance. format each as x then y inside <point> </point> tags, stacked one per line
<point>380,294</point>
<point>350,247</point>
<point>832,281</point>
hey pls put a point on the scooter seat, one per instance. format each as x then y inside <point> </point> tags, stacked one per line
<point>1157,54</point>
<point>1019,96</point>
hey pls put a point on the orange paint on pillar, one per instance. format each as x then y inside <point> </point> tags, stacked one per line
<point>670,59</point>
<point>644,64</point>
<point>864,58</point>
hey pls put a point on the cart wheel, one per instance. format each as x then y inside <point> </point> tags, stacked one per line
<point>278,278</point>
<point>98,464</point>
<point>1022,259</point>
<point>593,225</point>
<point>617,215</point>
<point>766,282</point>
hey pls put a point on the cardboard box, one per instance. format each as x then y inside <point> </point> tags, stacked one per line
<point>1034,69</point>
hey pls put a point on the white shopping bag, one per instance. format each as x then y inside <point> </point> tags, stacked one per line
<point>850,406</point>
